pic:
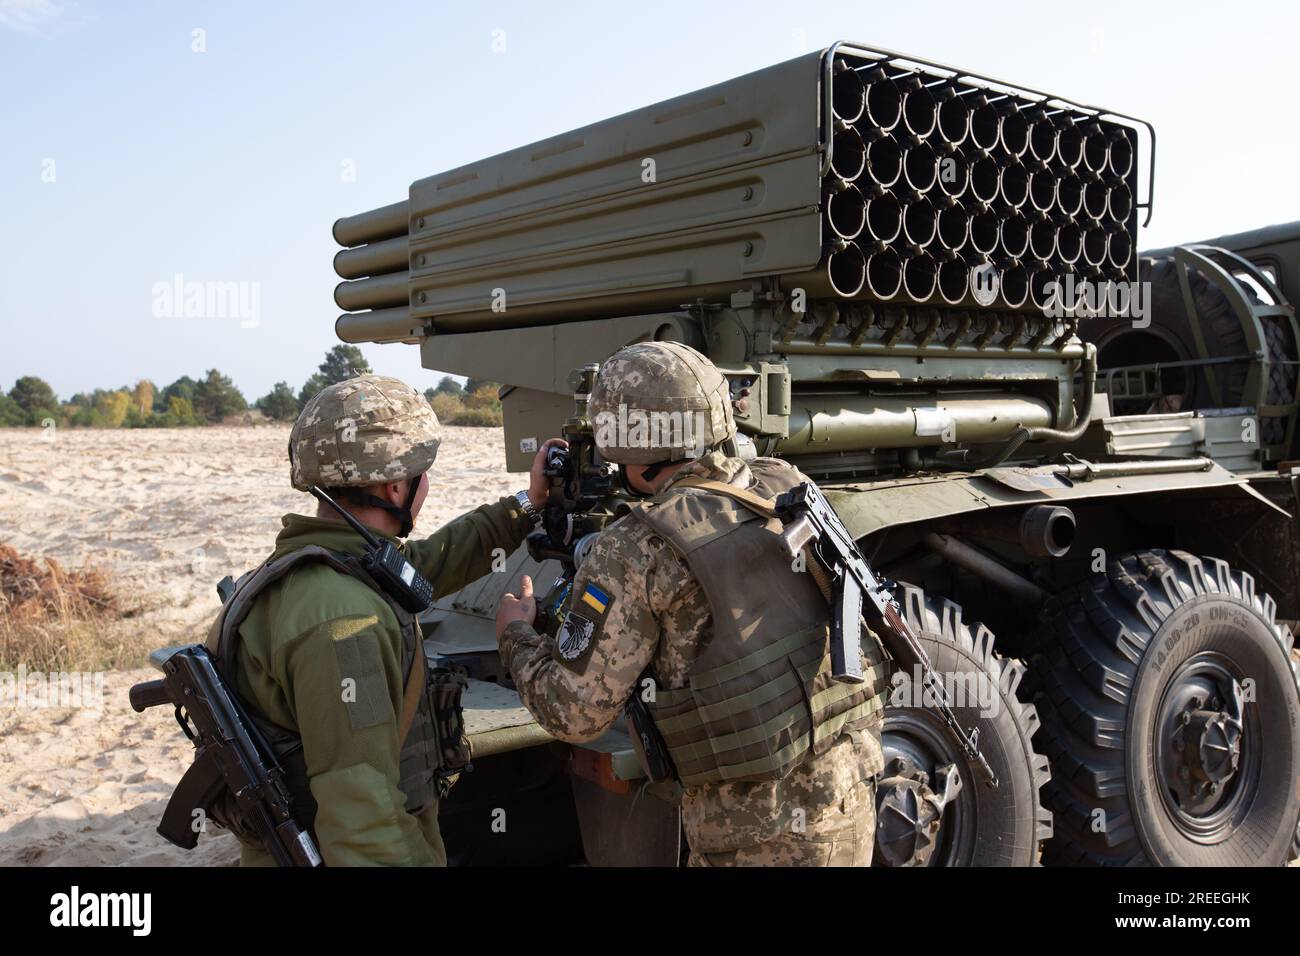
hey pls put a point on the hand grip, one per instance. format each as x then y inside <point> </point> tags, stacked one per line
<point>149,694</point>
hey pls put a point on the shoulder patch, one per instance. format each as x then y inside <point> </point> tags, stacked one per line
<point>595,598</point>
<point>582,626</point>
<point>575,638</point>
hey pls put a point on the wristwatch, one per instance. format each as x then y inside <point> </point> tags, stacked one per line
<point>526,506</point>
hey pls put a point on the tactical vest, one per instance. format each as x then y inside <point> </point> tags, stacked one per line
<point>760,694</point>
<point>430,707</point>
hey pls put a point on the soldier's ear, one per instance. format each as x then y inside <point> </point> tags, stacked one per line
<point>394,492</point>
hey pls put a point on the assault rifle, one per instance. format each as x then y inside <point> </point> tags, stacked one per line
<point>230,754</point>
<point>811,522</point>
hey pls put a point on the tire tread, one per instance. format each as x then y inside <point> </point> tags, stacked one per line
<point>1095,636</point>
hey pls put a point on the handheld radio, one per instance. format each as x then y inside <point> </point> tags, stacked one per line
<point>386,564</point>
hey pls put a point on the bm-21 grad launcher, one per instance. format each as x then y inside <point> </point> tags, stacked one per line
<point>878,248</point>
<point>838,228</point>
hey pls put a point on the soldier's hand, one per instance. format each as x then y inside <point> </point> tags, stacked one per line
<point>539,486</point>
<point>522,608</point>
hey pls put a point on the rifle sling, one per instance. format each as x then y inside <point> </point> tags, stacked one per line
<point>411,694</point>
<point>756,503</point>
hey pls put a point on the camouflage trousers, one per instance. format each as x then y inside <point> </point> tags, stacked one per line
<point>849,845</point>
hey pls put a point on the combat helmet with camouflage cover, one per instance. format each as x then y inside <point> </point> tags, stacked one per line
<point>658,402</point>
<point>364,431</point>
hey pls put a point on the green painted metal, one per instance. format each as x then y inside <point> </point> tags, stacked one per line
<point>693,198</point>
<point>869,507</point>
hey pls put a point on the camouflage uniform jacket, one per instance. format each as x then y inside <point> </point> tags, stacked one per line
<point>656,613</point>
<point>308,631</point>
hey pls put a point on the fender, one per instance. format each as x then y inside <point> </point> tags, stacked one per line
<point>901,501</point>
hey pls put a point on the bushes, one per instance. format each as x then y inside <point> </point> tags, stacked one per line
<point>112,408</point>
<point>33,394</point>
<point>485,396</point>
<point>144,398</point>
<point>341,363</point>
<point>446,386</point>
<point>446,407</point>
<point>30,402</point>
<point>179,413</point>
<point>479,416</point>
<point>310,388</point>
<point>478,409</point>
<point>279,403</point>
<point>11,413</point>
<point>183,387</point>
<point>216,397</point>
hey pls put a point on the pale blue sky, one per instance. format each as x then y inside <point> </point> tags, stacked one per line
<point>226,165</point>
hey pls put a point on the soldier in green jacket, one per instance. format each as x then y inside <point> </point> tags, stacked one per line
<point>691,602</point>
<point>324,660</point>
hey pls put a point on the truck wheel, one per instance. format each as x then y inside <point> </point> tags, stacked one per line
<point>931,807</point>
<point>1169,713</point>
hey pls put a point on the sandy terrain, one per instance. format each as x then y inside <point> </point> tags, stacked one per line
<point>167,513</point>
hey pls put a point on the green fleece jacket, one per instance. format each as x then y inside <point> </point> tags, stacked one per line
<point>288,667</point>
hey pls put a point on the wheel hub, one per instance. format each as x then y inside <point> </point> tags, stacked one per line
<point>909,811</point>
<point>1202,732</point>
<point>1217,745</point>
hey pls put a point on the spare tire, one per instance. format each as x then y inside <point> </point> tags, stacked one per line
<point>1169,338</point>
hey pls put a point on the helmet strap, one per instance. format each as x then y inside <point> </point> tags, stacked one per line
<point>401,512</point>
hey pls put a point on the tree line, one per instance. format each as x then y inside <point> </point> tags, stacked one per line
<point>214,398</point>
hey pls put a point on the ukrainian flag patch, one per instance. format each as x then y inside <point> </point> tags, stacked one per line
<point>595,598</point>
<point>582,626</point>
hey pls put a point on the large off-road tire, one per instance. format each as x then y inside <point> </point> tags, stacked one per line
<point>978,826</point>
<point>1169,712</point>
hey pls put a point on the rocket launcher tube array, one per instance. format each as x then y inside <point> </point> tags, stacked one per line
<point>906,173</point>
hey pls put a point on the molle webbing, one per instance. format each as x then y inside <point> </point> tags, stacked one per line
<point>729,740</point>
<point>760,694</point>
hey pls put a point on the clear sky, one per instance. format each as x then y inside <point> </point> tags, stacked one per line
<point>128,158</point>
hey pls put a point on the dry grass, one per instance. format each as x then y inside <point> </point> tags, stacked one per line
<point>52,618</point>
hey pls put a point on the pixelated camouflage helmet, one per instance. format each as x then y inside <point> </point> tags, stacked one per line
<point>659,401</point>
<point>363,431</point>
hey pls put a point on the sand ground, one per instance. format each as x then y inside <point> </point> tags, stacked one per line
<point>168,513</point>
